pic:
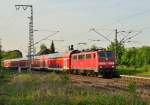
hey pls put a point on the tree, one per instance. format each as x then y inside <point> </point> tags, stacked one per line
<point>143,57</point>
<point>129,56</point>
<point>52,47</point>
<point>12,54</point>
<point>136,56</point>
<point>93,47</point>
<point>120,50</point>
<point>43,50</point>
<point>43,46</point>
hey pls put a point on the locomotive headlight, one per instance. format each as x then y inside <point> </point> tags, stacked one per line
<point>111,63</point>
<point>102,63</point>
<point>113,66</point>
<point>101,67</point>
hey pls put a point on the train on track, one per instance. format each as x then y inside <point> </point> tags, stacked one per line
<point>98,62</point>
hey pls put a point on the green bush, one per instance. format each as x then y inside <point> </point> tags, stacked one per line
<point>5,74</point>
<point>128,70</point>
<point>146,68</point>
<point>132,87</point>
<point>133,70</point>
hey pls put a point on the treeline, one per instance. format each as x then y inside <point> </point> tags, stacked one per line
<point>45,50</point>
<point>135,56</point>
<point>11,54</point>
<point>18,54</point>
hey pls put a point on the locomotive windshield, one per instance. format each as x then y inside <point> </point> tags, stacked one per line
<point>107,54</point>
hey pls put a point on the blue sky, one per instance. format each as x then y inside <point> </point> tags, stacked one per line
<point>74,18</point>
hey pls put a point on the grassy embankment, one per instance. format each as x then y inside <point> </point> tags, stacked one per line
<point>143,71</point>
<point>54,89</point>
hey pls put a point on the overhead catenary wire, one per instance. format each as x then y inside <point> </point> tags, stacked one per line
<point>129,38</point>
<point>128,17</point>
<point>136,14</point>
<point>45,38</point>
<point>126,34</point>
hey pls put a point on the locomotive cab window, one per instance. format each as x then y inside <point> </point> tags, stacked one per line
<point>88,56</point>
<point>81,56</point>
<point>109,54</point>
<point>75,57</point>
<point>106,54</point>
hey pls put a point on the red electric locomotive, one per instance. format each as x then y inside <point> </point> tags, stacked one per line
<point>94,62</point>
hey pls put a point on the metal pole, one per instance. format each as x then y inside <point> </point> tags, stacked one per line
<point>1,55</point>
<point>116,45</point>
<point>31,50</point>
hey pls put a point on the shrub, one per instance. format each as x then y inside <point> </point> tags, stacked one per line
<point>146,68</point>
<point>132,87</point>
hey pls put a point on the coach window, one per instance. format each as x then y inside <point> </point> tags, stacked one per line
<point>88,56</point>
<point>79,56</point>
<point>83,56</point>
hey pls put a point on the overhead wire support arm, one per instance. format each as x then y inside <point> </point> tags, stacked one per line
<point>126,39</point>
<point>45,38</point>
<point>93,29</point>
<point>23,6</point>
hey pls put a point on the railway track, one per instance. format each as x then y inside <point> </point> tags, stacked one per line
<point>142,84</point>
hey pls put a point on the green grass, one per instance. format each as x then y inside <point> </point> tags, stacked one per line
<point>128,70</point>
<point>54,89</point>
<point>145,74</point>
<point>145,70</point>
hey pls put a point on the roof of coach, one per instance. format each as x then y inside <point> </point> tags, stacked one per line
<point>60,54</point>
<point>89,52</point>
<point>55,55</point>
<point>85,52</point>
<point>17,59</point>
